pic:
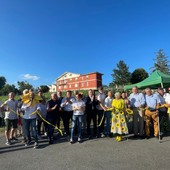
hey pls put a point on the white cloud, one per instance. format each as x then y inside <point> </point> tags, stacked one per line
<point>30,77</point>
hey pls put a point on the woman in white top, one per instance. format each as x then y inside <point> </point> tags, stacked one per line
<point>78,107</point>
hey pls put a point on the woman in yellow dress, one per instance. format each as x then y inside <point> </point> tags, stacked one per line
<point>119,125</point>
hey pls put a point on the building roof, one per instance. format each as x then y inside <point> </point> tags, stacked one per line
<point>92,73</point>
<point>67,73</point>
<point>76,74</point>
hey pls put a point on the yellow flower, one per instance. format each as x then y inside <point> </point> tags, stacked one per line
<point>117,117</point>
<point>123,129</point>
<point>121,112</point>
<point>129,111</point>
<point>113,119</point>
<point>119,138</point>
<point>117,125</point>
<point>122,120</point>
<point>112,127</point>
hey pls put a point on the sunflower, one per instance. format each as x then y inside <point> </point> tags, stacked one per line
<point>112,127</point>
<point>117,125</point>
<point>129,111</point>
<point>122,112</point>
<point>122,120</point>
<point>123,129</point>
<point>117,117</point>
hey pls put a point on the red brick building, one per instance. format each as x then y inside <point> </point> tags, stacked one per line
<point>72,81</point>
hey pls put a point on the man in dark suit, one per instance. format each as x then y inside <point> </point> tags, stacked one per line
<point>91,103</point>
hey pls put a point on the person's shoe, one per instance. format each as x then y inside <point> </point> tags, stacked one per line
<point>45,134</point>
<point>141,137</point>
<point>71,141</point>
<point>36,145</point>
<point>102,135</point>
<point>14,139</point>
<point>111,135</point>
<point>8,143</point>
<point>147,137</point>
<point>135,136</point>
<point>89,137</point>
<point>28,143</point>
<point>50,142</point>
<point>39,137</point>
<point>79,140</point>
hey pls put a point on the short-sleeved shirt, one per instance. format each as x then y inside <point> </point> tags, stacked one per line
<point>136,99</point>
<point>50,104</point>
<point>101,97</point>
<point>77,104</point>
<point>152,100</point>
<point>12,105</point>
<point>108,102</point>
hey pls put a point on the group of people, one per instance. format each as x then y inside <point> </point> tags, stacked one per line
<point>107,114</point>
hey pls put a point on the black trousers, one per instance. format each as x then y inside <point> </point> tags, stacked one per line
<point>50,128</point>
<point>39,123</point>
<point>91,116</point>
<point>66,116</point>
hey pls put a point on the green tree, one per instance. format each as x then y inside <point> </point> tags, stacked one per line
<point>161,62</point>
<point>138,75</point>
<point>22,85</point>
<point>2,81</point>
<point>44,88</point>
<point>121,75</point>
<point>8,88</point>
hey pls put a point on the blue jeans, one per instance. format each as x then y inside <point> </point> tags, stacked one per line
<point>108,117</point>
<point>30,124</point>
<point>77,119</point>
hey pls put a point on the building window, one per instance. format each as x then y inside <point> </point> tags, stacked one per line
<point>87,84</point>
<point>87,77</point>
<point>82,85</point>
<point>82,78</point>
<point>70,79</point>
<point>65,86</point>
<point>76,78</point>
<point>70,86</point>
<point>75,85</point>
<point>59,87</point>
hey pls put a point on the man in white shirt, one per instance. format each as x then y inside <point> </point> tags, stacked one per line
<point>137,102</point>
<point>100,110</point>
<point>11,118</point>
<point>108,105</point>
<point>29,120</point>
<point>66,105</point>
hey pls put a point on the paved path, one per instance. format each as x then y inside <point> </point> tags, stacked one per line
<point>96,154</point>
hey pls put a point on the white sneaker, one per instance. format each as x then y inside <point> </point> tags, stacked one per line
<point>36,145</point>
<point>71,141</point>
<point>45,134</point>
<point>8,143</point>
<point>79,140</point>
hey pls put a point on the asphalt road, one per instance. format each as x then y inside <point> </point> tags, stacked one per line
<point>96,154</point>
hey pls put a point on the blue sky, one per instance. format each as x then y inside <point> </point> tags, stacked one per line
<point>41,39</point>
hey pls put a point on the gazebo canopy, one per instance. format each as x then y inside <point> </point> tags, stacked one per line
<point>156,79</point>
